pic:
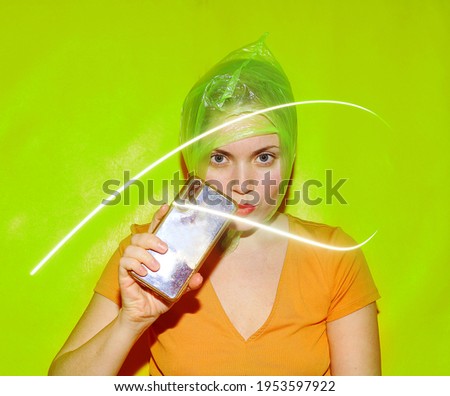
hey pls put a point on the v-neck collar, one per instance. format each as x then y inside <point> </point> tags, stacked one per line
<point>215,299</point>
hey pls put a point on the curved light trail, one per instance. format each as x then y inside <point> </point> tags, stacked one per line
<point>180,148</point>
<point>272,229</point>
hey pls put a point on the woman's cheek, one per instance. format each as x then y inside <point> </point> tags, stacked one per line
<point>275,186</point>
<point>217,179</point>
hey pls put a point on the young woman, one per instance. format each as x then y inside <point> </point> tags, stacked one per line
<point>264,304</point>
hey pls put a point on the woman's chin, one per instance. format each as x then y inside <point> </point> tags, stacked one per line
<point>241,226</point>
<point>258,217</point>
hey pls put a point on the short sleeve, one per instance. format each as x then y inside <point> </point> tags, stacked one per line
<point>108,284</point>
<point>351,284</point>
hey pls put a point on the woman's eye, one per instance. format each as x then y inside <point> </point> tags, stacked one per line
<point>265,158</point>
<point>218,158</point>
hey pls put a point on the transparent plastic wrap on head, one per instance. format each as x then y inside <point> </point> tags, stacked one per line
<point>246,80</point>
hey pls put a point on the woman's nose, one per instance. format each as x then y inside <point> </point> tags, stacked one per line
<point>243,180</point>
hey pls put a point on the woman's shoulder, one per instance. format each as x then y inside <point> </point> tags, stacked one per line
<point>318,231</point>
<point>323,233</point>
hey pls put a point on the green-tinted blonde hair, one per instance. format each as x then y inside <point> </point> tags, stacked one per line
<point>246,80</point>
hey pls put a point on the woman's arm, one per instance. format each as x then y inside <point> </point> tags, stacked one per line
<point>354,343</point>
<point>103,337</point>
<point>99,343</point>
<point>105,334</point>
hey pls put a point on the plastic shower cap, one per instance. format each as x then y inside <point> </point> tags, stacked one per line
<point>246,80</point>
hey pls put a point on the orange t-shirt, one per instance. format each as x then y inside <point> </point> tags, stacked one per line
<point>195,337</point>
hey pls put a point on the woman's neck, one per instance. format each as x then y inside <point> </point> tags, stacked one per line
<point>249,241</point>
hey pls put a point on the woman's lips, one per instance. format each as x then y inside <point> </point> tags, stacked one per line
<point>245,209</point>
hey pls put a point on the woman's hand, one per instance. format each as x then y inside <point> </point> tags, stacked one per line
<point>140,306</point>
<point>105,333</point>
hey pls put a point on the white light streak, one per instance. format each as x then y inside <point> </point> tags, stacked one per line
<point>180,148</point>
<point>272,229</point>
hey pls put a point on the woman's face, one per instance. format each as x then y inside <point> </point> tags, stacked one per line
<point>249,171</point>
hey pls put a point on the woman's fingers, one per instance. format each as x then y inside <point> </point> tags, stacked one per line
<point>136,255</point>
<point>158,216</point>
<point>131,264</point>
<point>141,243</point>
<point>195,282</point>
<point>142,256</point>
<point>149,241</point>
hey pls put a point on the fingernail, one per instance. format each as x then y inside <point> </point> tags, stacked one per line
<point>162,246</point>
<point>155,266</point>
<point>144,270</point>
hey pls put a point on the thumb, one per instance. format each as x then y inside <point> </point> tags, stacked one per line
<point>195,282</point>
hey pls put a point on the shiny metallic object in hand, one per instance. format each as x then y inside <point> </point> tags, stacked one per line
<point>190,236</point>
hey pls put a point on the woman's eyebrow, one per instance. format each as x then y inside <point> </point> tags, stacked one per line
<point>260,150</point>
<point>219,151</point>
<point>264,149</point>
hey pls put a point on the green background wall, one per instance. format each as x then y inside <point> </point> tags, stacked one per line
<point>90,89</point>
